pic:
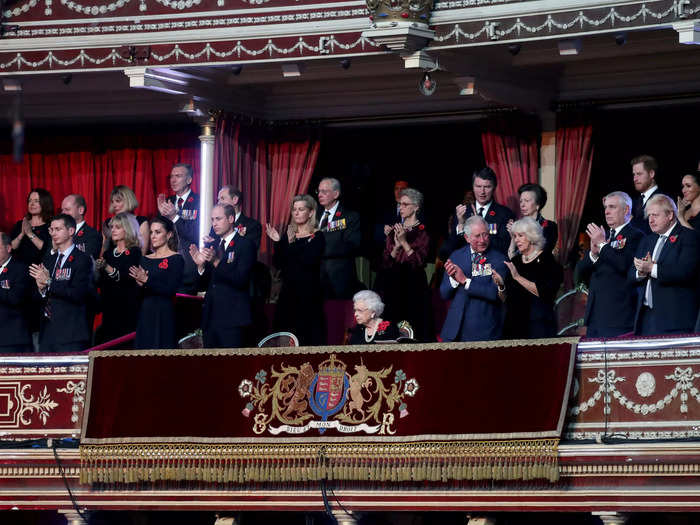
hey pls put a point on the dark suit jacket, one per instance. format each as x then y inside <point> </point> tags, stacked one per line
<point>66,298</point>
<point>253,230</point>
<point>227,302</point>
<point>15,288</point>
<point>88,240</point>
<point>612,297</point>
<point>187,225</point>
<point>338,277</point>
<point>638,220</point>
<point>675,290</point>
<point>498,215</point>
<point>477,313</point>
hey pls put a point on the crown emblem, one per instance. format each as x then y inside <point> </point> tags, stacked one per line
<point>400,10</point>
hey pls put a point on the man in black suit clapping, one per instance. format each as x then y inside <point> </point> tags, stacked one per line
<point>14,289</point>
<point>63,281</point>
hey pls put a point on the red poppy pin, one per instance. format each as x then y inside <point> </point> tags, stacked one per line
<point>619,237</point>
<point>70,258</point>
<point>4,270</point>
<point>492,213</point>
<point>312,236</point>
<point>191,199</point>
<point>231,244</point>
<point>545,223</point>
<point>80,233</point>
<point>382,326</point>
<point>673,238</point>
<point>126,252</point>
<point>163,264</point>
<point>240,228</point>
<point>482,260</point>
<point>337,214</point>
<point>421,227</point>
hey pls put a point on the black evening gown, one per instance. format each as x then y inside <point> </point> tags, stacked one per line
<point>120,296</point>
<point>529,316</point>
<point>387,332</point>
<point>156,325</point>
<point>300,304</point>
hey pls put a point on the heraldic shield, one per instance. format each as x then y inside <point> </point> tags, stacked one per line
<point>328,389</point>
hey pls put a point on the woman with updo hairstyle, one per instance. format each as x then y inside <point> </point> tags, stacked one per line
<point>120,295</point>
<point>401,280</point>
<point>123,200</point>
<point>533,198</point>
<point>689,203</point>
<point>297,255</point>
<point>371,328</point>
<point>30,236</point>
<point>160,275</point>
<point>535,278</point>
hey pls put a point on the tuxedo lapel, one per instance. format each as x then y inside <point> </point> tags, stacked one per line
<point>667,245</point>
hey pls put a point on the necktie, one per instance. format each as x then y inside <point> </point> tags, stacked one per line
<point>57,266</point>
<point>475,257</point>
<point>481,211</point>
<point>324,220</point>
<point>180,202</point>
<point>611,235</point>
<point>648,299</point>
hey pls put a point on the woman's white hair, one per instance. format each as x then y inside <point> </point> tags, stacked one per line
<point>371,299</point>
<point>532,230</point>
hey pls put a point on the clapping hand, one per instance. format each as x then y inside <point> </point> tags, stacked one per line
<point>291,233</point>
<point>40,275</point>
<point>597,235</point>
<point>513,270</point>
<point>399,233</point>
<point>455,272</point>
<point>644,266</point>
<point>460,212</point>
<point>497,278</point>
<point>26,227</point>
<point>138,274</point>
<point>509,226</point>
<point>387,229</point>
<point>272,233</point>
<point>166,208</point>
<point>682,203</point>
<point>196,255</point>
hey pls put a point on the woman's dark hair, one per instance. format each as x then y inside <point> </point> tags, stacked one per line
<point>539,192</point>
<point>169,228</point>
<point>695,176</point>
<point>46,203</point>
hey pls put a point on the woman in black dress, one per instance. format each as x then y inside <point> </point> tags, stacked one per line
<point>533,197</point>
<point>689,203</point>
<point>402,282</point>
<point>160,275</point>
<point>123,200</point>
<point>298,256</point>
<point>120,295</point>
<point>535,278</point>
<point>370,327</point>
<point>30,236</point>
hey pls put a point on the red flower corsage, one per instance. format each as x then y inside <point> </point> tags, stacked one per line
<point>80,233</point>
<point>421,227</point>
<point>382,326</point>
<point>545,223</point>
<point>337,214</point>
<point>619,237</point>
<point>126,252</point>
<point>492,213</point>
<point>230,244</point>
<point>4,270</point>
<point>673,238</point>
<point>312,236</point>
<point>239,228</point>
<point>191,199</point>
<point>70,258</point>
<point>163,264</point>
<point>482,260</point>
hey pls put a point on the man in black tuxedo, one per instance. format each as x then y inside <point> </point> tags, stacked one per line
<point>341,231</point>
<point>87,239</point>
<point>612,297</point>
<point>246,226</point>
<point>666,272</point>
<point>644,168</point>
<point>183,209</point>
<point>484,185</point>
<point>63,281</point>
<point>15,286</point>
<point>225,268</point>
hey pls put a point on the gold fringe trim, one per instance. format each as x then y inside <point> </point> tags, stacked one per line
<point>292,463</point>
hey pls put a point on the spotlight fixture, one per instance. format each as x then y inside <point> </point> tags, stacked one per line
<point>67,79</point>
<point>514,49</point>
<point>236,69</point>
<point>570,47</point>
<point>345,63</point>
<point>427,85</point>
<point>621,39</point>
<point>291,70</point>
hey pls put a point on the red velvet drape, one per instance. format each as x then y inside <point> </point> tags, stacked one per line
<point>513,153</point>
<point>91,165</point>
<point>574,159</point>
<point>269,167</point>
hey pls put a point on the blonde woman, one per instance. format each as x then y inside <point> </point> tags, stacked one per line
<point>123,200</point>
<point>119,293</point>
<point>298,256</point>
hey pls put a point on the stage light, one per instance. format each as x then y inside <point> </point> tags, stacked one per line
<point>67,79</point>
<point>236,70</point>
<point>570,47</point>
<point>427,85</point>
<point>291,70</point>
<point>514,49</point>
<point>345,63</point>
<point>621,39</point>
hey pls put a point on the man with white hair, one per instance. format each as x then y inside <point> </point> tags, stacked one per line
<point>666,272</point>
<point>612,298</point>
<point>473,280</point>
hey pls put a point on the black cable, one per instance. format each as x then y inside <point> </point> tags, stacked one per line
<point>346,511</point>
<point>326,503</point>
<point>65,482</point>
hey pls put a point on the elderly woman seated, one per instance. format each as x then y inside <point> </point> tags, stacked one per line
<point>535,278</point>
<point>371,328</point>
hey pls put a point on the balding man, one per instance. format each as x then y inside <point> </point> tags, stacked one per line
<point>341,230</point>
<point>87,239</point>
<point>666,272</point>
<point>612,297</point>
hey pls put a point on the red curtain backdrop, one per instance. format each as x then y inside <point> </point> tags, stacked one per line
<point>574,159</point>
<point>513,153</point>
<point>270,166</point>
<point>92,165</point>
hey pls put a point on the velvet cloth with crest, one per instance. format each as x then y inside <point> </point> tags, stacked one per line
<point>403,285</point>
<point>300,304</point>
<point>156,325</point>
<point>120,295</point>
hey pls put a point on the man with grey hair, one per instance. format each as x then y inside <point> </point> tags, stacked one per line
<point>612,297</point>
<point>666,272</point>
<point>473,280</point>
<point>341,231</point>
<point>15,286</point>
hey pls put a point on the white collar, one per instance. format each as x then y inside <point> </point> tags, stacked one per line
<point>619,228</point>
<point>183,196</point>
<point>238,215</point>
<point>4,265</point>
<point>668,232</point>
<point>331,211</point>
<point>78,226</point>
<point>647,194</point>
<point>485,207</point>
<point>228,238</point>
<point>66,254</point>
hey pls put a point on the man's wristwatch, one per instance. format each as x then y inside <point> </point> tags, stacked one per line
<point>31,236</point>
